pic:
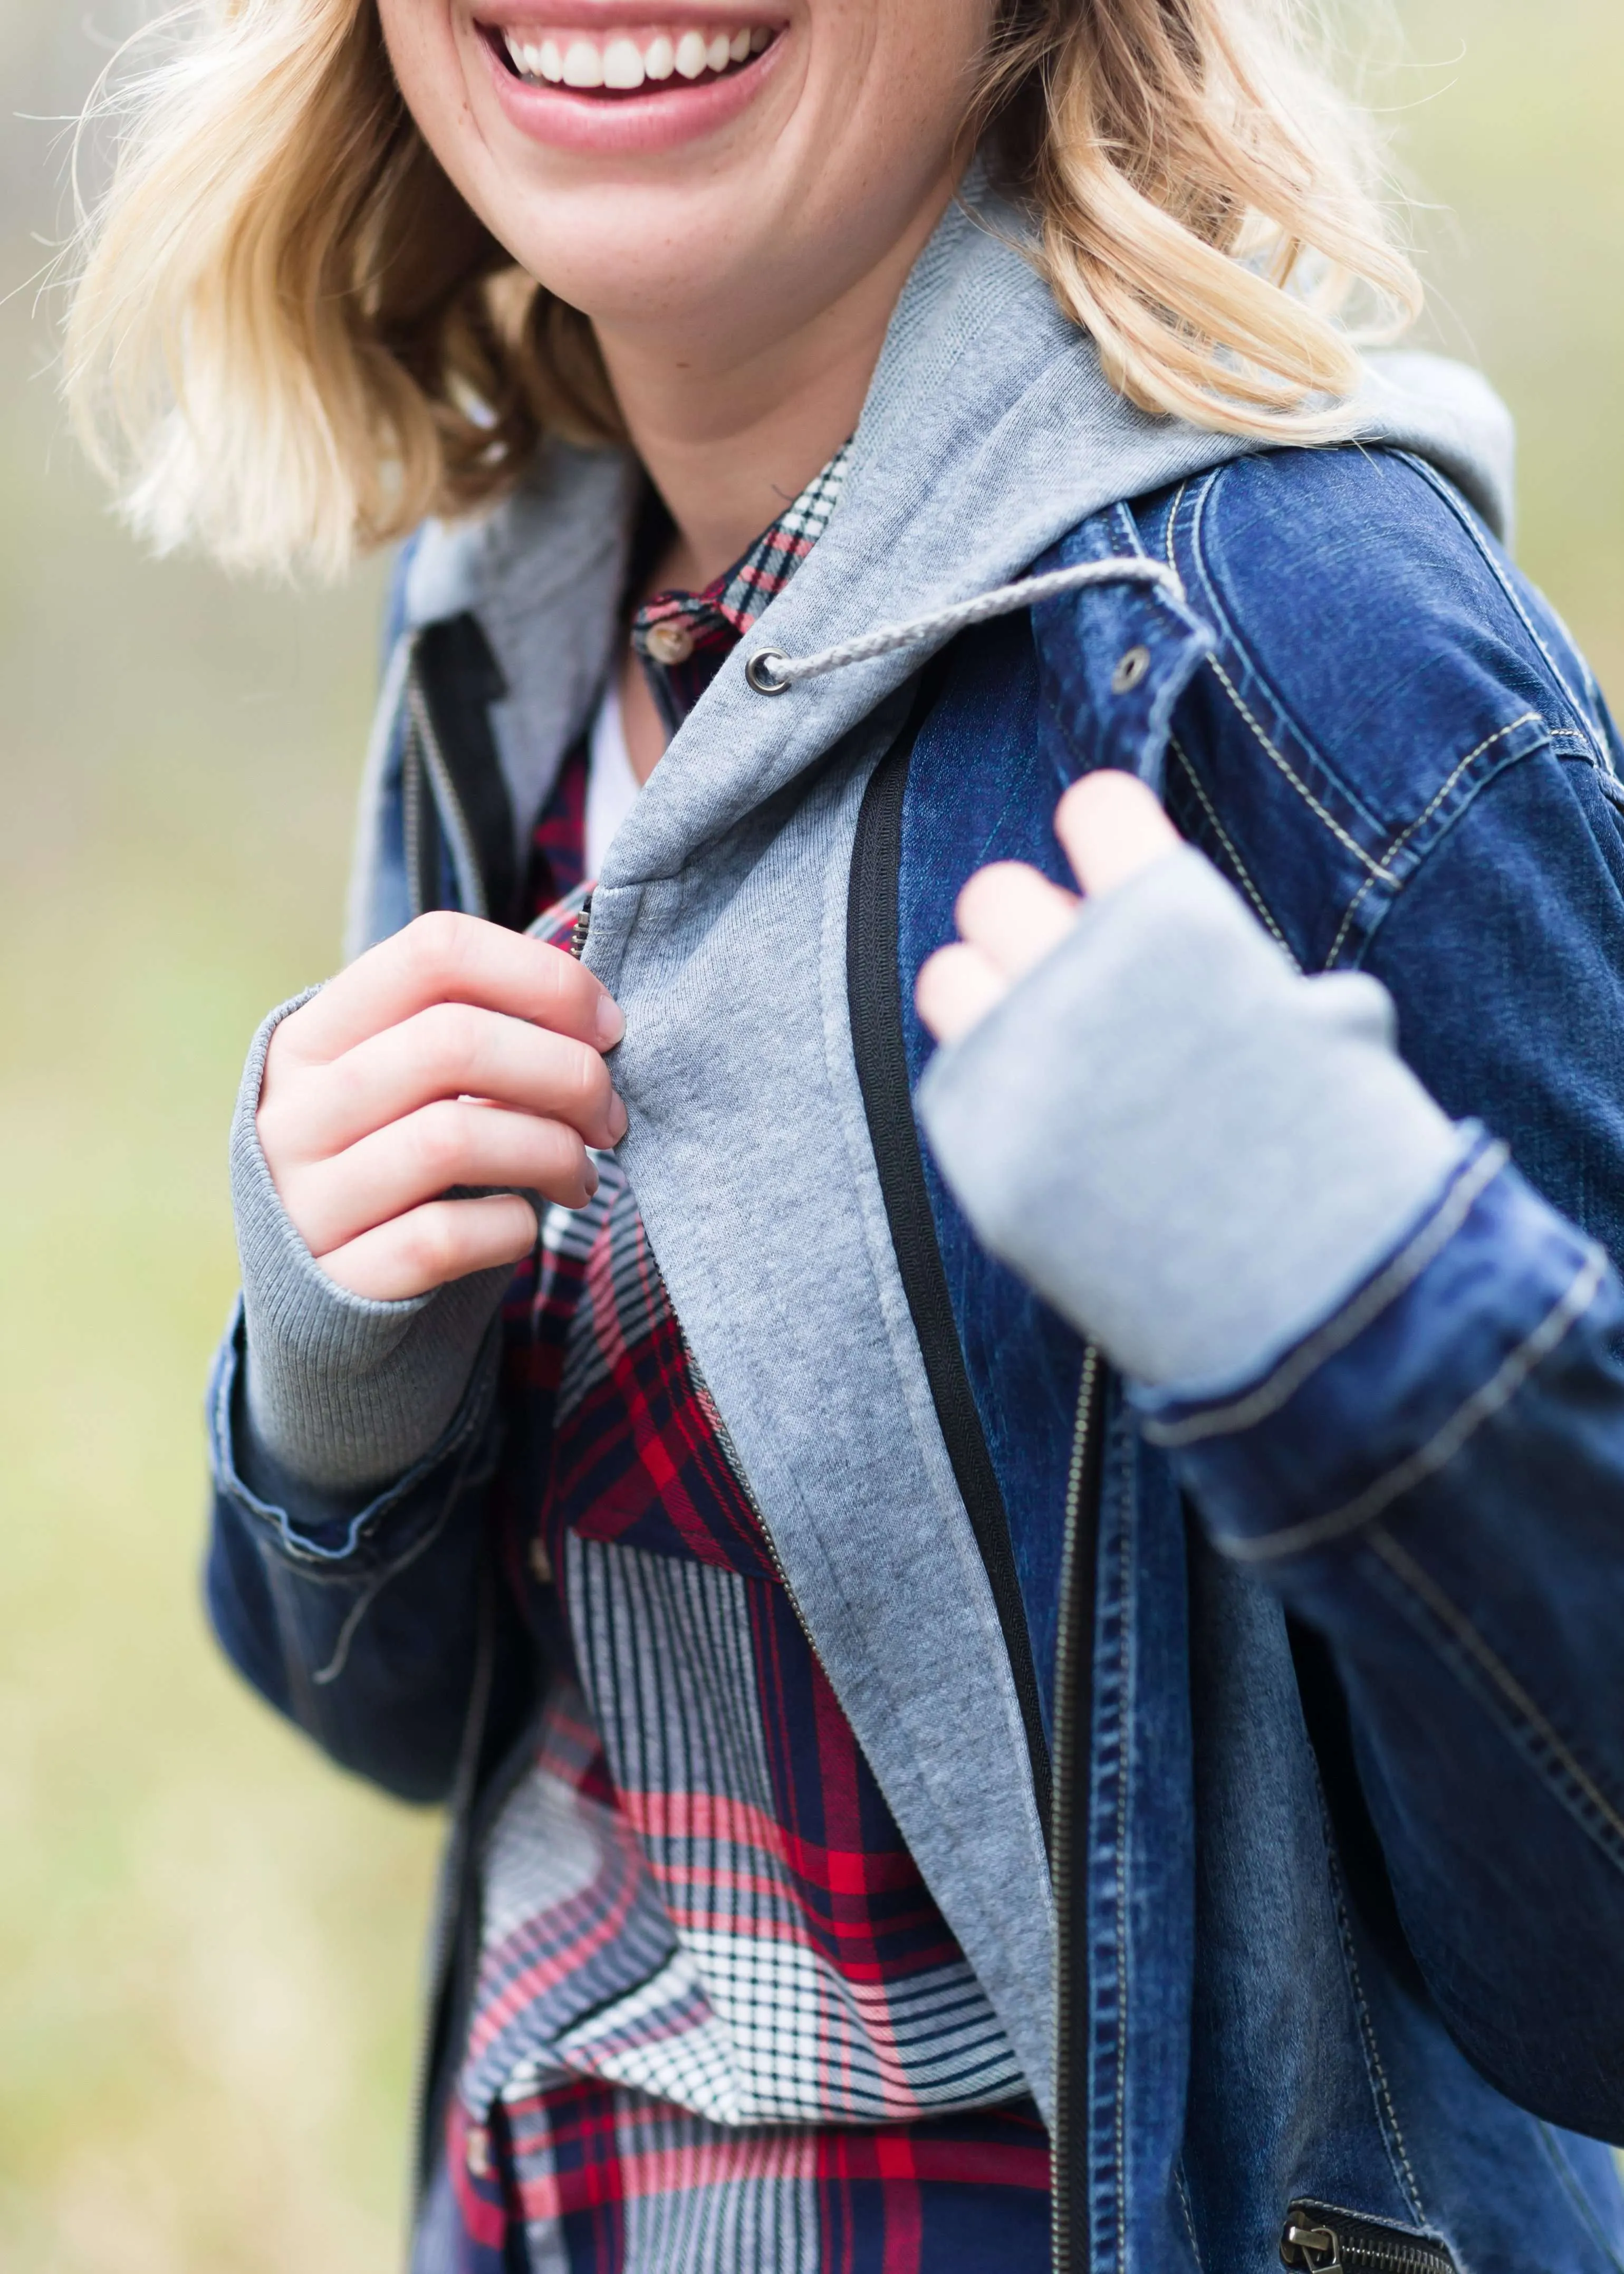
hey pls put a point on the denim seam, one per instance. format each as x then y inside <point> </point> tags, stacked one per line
<point>1529,718</point>
<point>1181,2187</point>
<point>1242,874</point>
<point>1350,844</point>
<point>1376,2074</point>
<point>1349,914</point>
<point>1581,1793</point>
<point>323,1677</point>
<point>1442,1447</point>
<point>1276,1389</point>
<point>1568,2180</point>
<point>1469,522</point>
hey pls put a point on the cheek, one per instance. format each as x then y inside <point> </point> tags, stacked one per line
<point>423,54</point>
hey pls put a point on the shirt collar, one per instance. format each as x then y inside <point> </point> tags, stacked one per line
<point>683,638</point>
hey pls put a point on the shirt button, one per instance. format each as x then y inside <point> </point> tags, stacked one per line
<point>541,1563</point>
<point>479,2151</point>
<point>669,642</point>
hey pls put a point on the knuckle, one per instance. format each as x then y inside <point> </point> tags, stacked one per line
<point>430,943</point>
<point>439,1143</point>
<point>429,1243</point>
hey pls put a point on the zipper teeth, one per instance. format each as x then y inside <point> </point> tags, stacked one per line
<point>1068,1709</point>
<point>1360,2247</point>
<point>729,1454</point>
<point>584,925</point>
<point>433,766</point>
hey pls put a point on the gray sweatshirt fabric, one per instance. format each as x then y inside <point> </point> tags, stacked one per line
<point>1191,1151</point>
<point>719,925</point>
<point>343,1393</point>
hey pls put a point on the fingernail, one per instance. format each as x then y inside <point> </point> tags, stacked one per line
<point>618,1116</point>
<point>592,1176</point>
<point>610,1025</point>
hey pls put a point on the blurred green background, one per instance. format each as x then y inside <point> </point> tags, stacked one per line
<point>208,1940</point>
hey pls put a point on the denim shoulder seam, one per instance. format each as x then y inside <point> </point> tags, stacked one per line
<point>1468,521</point>
<point>1551,1759</point>
<point>1406,1267</point>
<point>1444,1443</point>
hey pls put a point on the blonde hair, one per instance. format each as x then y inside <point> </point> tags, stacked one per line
<point>290,337</point>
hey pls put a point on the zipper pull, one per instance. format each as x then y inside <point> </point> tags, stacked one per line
<point>1353,2245</point>
<point>1313,2247</point>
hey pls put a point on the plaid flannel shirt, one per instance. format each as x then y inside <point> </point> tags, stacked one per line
<point>718,2021</point>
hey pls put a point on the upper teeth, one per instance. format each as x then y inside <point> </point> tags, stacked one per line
<point>584,59</point>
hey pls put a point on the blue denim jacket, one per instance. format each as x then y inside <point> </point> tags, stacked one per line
<point>1354,1799</point>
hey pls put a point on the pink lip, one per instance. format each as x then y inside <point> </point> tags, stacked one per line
<point>614,124</point>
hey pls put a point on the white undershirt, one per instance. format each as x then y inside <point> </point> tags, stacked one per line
<point>612,786</point>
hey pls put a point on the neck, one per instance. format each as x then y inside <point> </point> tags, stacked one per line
<point>730,431</point>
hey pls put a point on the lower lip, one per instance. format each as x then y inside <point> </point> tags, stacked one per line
<point>635,122</point>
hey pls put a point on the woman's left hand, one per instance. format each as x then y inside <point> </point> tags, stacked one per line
<point>1011,916</point>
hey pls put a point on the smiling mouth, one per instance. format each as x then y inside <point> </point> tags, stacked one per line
<point>603,66</point>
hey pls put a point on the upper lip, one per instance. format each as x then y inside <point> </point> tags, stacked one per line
<point>591,16</point>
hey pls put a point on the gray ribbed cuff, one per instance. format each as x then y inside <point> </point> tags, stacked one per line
<point>1191,1152</point>
<point>343,1392</point>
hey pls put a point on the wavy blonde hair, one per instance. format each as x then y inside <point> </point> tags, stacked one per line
<point>290,338</point>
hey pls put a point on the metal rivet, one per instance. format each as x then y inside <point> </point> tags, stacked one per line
<point>669,642</point>
<point>762,671</point>
<point>1130,671</point>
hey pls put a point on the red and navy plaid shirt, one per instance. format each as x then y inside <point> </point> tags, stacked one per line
<point>719,2025</point>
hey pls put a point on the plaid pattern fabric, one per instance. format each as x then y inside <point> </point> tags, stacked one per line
<point>719,2026</point>
<point>684,638</point>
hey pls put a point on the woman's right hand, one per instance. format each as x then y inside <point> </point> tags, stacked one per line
<point>457,1053</point>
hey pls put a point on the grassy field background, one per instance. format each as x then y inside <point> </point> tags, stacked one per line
<point>208,1940</point>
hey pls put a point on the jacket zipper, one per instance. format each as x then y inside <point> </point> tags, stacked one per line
<point>1073,1698</point>
<point>1322,2241</point>
<point>430,795</point>
<point>873,994</point>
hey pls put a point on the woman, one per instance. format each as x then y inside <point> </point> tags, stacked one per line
<point>843,426</point>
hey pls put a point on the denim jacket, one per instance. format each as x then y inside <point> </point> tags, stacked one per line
<point>1350,1891</point>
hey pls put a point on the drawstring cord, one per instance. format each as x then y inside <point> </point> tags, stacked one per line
<point>770,672</point>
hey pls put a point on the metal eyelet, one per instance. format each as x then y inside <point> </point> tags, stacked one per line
<point>762,675</point>
<point>1131,671</point>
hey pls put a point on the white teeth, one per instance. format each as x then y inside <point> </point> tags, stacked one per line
<point>623,64</point>
<point>580,62</point>
<point>691,58</point>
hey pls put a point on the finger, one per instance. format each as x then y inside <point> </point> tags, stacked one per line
<point>433,1245</point>
<point>956,988</point>
<point>1112,826</point>
<point>447,958</point>
<point>1014,916</point>
<point>423,1157</point>
<point>452,1050</point>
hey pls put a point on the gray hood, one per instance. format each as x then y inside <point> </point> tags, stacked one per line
<point>719,922</point>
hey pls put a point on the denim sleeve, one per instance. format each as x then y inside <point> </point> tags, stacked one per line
<point>371,1621</point>
<point>1435,1481</point>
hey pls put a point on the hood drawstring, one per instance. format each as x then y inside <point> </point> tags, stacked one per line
<point>770,672</point>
